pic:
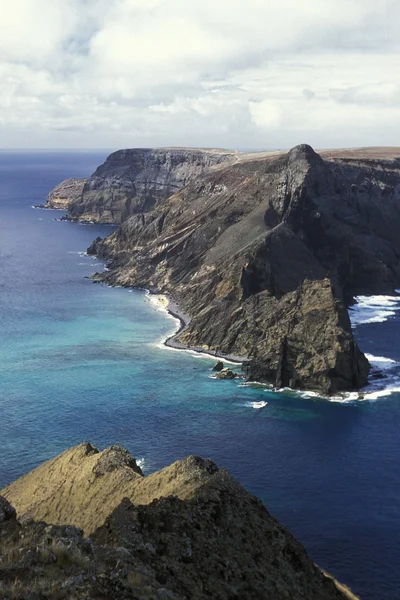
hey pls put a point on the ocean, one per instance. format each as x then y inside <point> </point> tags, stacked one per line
<point>80,361</point>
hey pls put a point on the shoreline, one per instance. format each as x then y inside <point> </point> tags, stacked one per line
<point>166,303</point>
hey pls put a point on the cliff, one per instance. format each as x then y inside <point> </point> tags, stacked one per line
<point>134,181</point>
<point>189,531</point>
<point>65,193</point>
<point>264,254</point>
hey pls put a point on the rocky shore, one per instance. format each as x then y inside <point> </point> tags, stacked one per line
<point>88,524</point>
<point>65,194</point>
<point>184,320</point>
<point>262,253</point>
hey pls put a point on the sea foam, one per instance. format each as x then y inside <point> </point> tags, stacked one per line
<point>257,405</point>
<point>373,309</point>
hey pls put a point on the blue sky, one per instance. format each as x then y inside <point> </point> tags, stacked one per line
<point>226,73</point>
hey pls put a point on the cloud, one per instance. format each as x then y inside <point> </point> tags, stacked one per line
<point>254,74</point>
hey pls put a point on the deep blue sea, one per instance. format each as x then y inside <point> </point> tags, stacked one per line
<point>80,361</point>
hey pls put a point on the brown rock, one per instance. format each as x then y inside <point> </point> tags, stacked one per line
<point>65,193</point>
<point>262,253</point>
<point>188,531</point>
<point>225,374</point>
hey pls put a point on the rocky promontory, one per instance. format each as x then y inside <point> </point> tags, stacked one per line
<point>187,532</point>
<point>264,255</point>
<point>263,252</point>
<point>133,181</point>
<point>65,193</point>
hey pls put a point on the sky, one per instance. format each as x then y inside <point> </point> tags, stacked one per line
<point>247,74</point>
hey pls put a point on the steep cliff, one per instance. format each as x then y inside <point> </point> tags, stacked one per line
<point>189,531</point>
<point>135,181</point>
<point>264,254</point>
<point>65,193</point>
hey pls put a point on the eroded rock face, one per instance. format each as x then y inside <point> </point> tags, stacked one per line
<point>254,250</point>
<point>135,181</point>
<point>156,540</point>
<point>65,193</point>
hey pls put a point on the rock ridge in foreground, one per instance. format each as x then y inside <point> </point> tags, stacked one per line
<point>189,531</point>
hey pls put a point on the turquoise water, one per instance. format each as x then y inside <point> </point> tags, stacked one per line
<point>80,361</point>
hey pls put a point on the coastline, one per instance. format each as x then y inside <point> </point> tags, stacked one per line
<point>165,303</point>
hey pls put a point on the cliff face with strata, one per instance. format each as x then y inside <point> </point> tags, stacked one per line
<point>264,254</point>
<point>65,193</point>
<point>134,181</point>
<point>189,531</point>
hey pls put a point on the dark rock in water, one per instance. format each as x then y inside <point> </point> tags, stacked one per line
<point>218,366</point>
<point>302,347</point>
<point>225,374</point>
<point>95,247</point>
<point>152,537</point>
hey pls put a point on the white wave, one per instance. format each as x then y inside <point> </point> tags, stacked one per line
<point>373,309</point>
<point>366,396</point>
<point>381,393</point>
<point>309,394</point>
<point>267,386</point>
<point>257,405</point>
<point>140,463</point>
<point>381,362</point>
<point>196,354</point>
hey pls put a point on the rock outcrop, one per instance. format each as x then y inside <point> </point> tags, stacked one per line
<point>265,254</point>
<point>134,181</point>
<point>65,193</point>
<point>189,531</point>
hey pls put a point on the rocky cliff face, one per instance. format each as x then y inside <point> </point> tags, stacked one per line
<point>65,193</point>
<point>135,181</point>
<point>264,254</point>
<point>189,531</point>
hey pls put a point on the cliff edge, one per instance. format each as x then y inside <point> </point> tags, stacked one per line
<point>133,181</point>
<point>65,193</point>
<point>265,254</point>
<point>189,531</point>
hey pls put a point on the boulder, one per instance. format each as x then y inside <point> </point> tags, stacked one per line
<point>218,366</point>
<point>225,374</point>
<point>7,512</point>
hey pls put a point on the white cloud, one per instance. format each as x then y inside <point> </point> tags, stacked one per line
<point>229,73</point>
